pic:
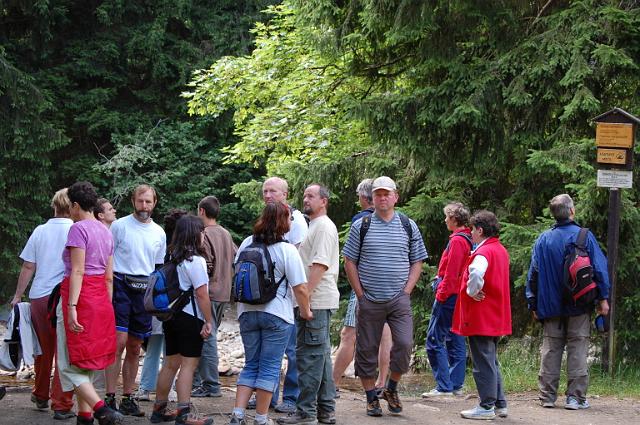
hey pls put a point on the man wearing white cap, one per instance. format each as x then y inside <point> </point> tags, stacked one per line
<point>383,260</point>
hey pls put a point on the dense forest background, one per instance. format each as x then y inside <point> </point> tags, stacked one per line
<point>489,103</point>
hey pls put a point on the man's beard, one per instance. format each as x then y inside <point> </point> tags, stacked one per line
<point>307,210</point>
<point>143,215</point>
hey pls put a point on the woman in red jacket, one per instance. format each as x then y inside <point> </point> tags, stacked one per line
<point>483,313</point>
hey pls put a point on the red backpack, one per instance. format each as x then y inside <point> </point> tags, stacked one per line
<point>579,288</point>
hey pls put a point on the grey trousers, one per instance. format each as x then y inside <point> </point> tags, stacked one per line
<point>558,333</point>
<point>313,357</point>
<point>206,375</point>
<point>486,371</point>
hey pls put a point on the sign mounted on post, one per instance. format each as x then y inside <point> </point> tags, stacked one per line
<point>615,178</point>
<point>614,135</point>
<point>612,156</point>
<point>615,131</point>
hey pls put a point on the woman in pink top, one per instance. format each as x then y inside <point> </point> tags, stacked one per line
<point>86,324</point>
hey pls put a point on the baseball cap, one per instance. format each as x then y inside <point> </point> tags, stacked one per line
<point>602,323</point>
<point>383,182</point>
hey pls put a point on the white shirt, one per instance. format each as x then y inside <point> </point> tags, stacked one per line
<point>44,248</point>
<point>477,270</point>
<point>193,274</point>
<point>298,230</point>
<point>137,247</point>
<point>287,262</point>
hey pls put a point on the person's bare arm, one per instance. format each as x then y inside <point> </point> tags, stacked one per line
<point>26,273</point>
<point>352,275</point>
<point>414,274</point>
<point>301,293</point>
<point>315,275</point>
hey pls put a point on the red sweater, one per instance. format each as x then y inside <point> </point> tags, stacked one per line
<point>491,316</point>
<point>452,264</point>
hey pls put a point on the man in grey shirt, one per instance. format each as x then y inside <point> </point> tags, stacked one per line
<point>383,267</point>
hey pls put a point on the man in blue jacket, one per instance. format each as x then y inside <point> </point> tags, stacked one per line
<point>563,325</point>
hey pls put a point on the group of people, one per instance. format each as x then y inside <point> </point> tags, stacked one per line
<point>100,267</point>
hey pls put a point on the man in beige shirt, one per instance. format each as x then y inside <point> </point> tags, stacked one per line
<point>320,255</point>
<point>219,252</point>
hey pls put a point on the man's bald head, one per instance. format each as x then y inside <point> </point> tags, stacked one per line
<point>275,189</point>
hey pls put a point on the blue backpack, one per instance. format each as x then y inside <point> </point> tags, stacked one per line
<point>254,281</point>
<point>164,297</point>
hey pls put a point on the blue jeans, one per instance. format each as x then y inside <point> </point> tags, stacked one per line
<point>290,389</point>
<point>206,375</point>
<point>264,337</point>
<point>150,367</point>
<point>447,351</point>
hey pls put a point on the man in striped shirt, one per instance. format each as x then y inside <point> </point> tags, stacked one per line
<point>383,267</point>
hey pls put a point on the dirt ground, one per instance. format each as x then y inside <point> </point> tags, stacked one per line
<point>16,408</point>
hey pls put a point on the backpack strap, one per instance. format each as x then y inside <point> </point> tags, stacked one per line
<point>581,240</point>
<point>366,223</point>
<point>466,238</point>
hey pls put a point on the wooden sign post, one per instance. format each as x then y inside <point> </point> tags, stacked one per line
<point>615,131</point>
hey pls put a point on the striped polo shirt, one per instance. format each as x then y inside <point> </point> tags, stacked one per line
<point>385,256</point>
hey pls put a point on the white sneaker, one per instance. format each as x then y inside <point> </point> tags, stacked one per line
<point>459,392</point>
<point>142,395</point>
<point>436,393</point>
<point>479,412</point>
<point>173,395</point>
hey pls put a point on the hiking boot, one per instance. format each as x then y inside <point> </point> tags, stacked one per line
<point>269,422</point>
<point>63,415</point>
<point>110,402</point>
<point>128,406</point>
<point>237,421</point>
<point>393,400</point>
<point>436,393</point>
<point>297,418</point>
<point>3,392</point>
<point>501,412</point>
<point>84,421</point>
<point>479,412</point>
<point>374,409</point>
<point>39,402</point>
<point>326,417</point>
<point>184,417</point>
<point>204,392</point>
<point>574,404</point>
<point>161,414</point>
<point>285,407</point>
<point>108,416</point>
<point>547,404</point>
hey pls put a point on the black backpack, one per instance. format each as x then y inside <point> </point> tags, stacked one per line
<point>254,280</point>
<point>366,223</point>
<point>163,296</point>
<point>579,288</point>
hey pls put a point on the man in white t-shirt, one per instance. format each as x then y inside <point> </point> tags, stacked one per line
<point>42,256</point>
<point>320,256</point>
<point>276,189</point>
<point>139,248</point>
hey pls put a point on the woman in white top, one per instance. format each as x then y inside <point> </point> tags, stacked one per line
<point>185,332</point>
<point>265,328</point>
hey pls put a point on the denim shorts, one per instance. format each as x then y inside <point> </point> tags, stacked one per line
<point>264,337</point>
<point>350,315</point>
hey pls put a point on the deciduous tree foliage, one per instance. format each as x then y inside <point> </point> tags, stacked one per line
<point>489,103</point>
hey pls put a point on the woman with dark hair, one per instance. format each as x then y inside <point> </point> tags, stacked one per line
<point>483,313</point>
<point>185,332</point>
<point>265,328</point>
<point>86,324</point>
<point>155,342</point>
